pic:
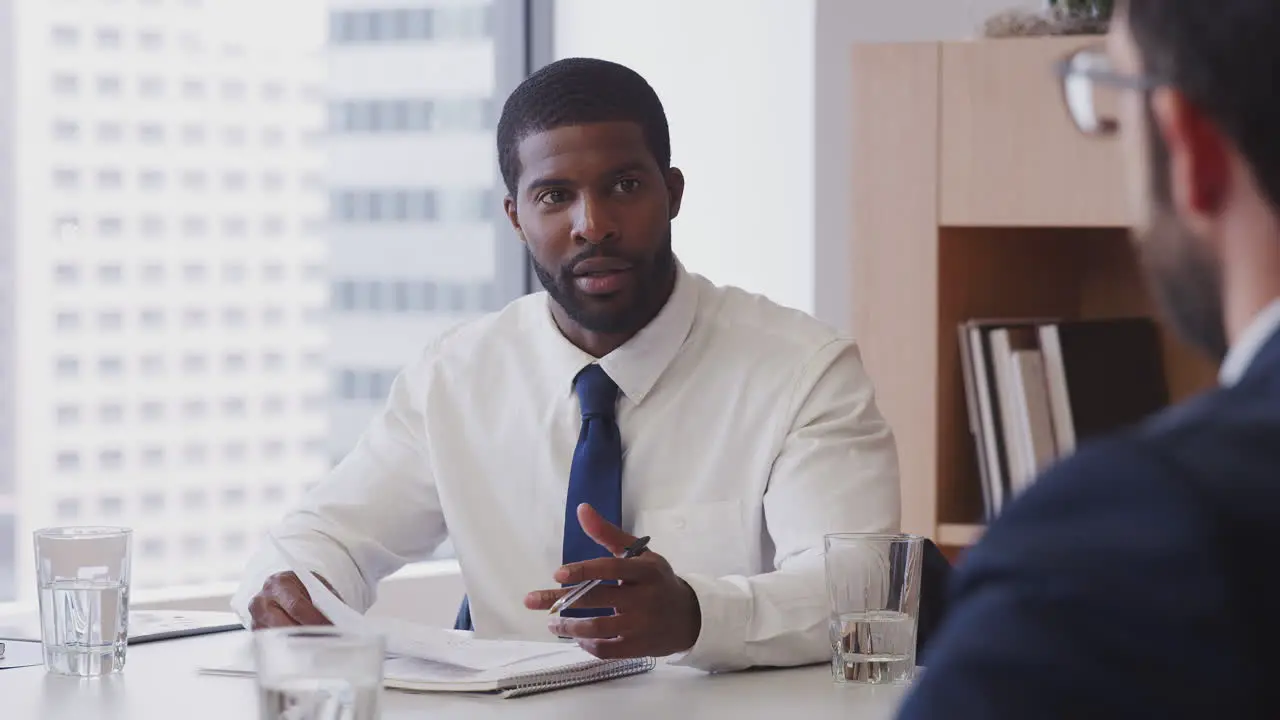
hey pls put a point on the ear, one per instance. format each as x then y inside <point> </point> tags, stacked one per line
<point>509,207</point>
<point>675,190</point>
<point>1199,159</point>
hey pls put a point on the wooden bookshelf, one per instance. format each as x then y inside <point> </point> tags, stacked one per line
<point>975,196</point>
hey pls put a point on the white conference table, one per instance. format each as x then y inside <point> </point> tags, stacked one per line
<point>160,682</point>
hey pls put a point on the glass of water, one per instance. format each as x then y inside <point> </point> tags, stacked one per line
<point>318,673</point>
<point>83,575</point>
<point>873,587</point>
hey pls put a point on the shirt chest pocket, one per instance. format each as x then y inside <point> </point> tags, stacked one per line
<point>699,538</point>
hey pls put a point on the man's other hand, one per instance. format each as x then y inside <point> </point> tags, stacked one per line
<point>284,602</point>
<point>655,612</point>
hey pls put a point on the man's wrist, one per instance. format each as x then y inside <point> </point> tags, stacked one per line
<point>694,616</point>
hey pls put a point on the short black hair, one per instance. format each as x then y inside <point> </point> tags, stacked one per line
<point>577,91</point>
<point>1224,55</point>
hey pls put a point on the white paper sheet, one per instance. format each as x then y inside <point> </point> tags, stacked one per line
<point>414,640</point>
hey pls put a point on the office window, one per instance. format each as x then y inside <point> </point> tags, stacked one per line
<point>272,316</point>
<point>110,133</point>
<point>65,36</point>
<point>110,366</point>
<point>111,414</point>
<point>235,451</point>
<point>273,405</point>
<point>67,321</point>
<point>234,227</point>
<point>108,85</point>
<point>194,499</point>
<point>194,318</point>
<point>152,319</point>
<point>66,85</point>
<point>195,364</point>
<point>193,546</point>
<point>68,509</point>
<point>195,273</point>
<point>152,274</point>
<point>66,367</point>
<point>195,227</point>
<point>233,497</point>
<point>153,457</point>
<point>234,273</point>
<point>151,365</point>
<point>65,274</point>
<point>110,180</point>
<point>66,179</point>
<point>110,506</point>
<point>68,415</point>
<point>108,38</point>
<point>234,542</point>
<point>195,409</point>
<point>151,134</point>
<point>152,503</point>
<point>110,321</point>
<point>68,461</point>
<point>66,130</point>
<point>150,40</point>
<point>195,181</point>
<point>152,547</point>
<point>111,460</point>
<point>151,180</point>
<point>152,227</point>
<point>151,87</point>
<point>152,411</point>
<point>110,274</point>
<point>180,139</point>
<point>193,135</point>
<point>110,227</point>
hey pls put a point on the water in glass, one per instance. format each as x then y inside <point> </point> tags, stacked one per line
<point>318,699</point>
<point>873,646</point>
<point>85,625</point>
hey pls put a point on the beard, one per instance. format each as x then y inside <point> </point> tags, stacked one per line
<point>1181,272</point>
<point>653,275</point>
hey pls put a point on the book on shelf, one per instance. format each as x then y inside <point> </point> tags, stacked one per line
<point>1035,388</point>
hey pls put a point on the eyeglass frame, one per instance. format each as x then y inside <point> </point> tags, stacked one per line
<point>1067,70</point>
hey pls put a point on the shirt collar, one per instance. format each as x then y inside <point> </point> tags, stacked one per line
<point>1246,348</point>
<point>637,364</point>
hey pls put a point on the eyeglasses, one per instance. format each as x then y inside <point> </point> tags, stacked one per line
<point>1087,76</point>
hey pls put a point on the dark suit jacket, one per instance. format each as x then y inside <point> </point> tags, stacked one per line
<point>1136,579</point>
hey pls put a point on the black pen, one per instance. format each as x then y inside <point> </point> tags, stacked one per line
<point>635,549</point>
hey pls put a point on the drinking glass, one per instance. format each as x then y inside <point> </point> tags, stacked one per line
<point>318,673</point>
<point>83,578</point>
<point>873,587</point>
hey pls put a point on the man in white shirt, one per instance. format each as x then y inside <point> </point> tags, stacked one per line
<point>632,398</point>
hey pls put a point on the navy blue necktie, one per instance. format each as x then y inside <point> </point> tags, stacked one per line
<point>595,477</point>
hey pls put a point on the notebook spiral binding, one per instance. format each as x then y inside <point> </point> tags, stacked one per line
<point>570,677</point>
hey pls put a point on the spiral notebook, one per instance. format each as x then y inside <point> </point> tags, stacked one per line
<point>561,666</point>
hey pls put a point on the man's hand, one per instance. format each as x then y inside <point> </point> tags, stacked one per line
<point>656,613</point>
<point>284,602</point>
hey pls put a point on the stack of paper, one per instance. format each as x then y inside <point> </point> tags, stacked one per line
<point>431,659</point>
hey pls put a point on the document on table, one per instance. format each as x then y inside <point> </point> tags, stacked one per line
<point>413,640</point>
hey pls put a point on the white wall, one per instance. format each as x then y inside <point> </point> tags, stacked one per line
<point>757,95</point>
<point>841,24</point>
<point>735,77</point>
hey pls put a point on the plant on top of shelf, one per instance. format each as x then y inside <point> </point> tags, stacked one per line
<point>1062,17</point>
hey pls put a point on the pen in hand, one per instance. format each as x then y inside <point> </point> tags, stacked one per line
<point>578,591</point>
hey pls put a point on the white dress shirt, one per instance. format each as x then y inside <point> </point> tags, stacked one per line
<point>1246,347</point>
<point>749,430</point>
